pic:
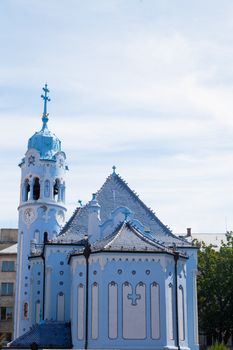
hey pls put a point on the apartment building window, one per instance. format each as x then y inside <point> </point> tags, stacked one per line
<point>8,266</point>
<point>7,288</point>
<point>6,313</point>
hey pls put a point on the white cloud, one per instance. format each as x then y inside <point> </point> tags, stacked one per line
<point>146,85</point>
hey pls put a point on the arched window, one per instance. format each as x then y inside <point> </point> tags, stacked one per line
<point>25,310</point>
<point>38,311</point>
<point>36,188</point>
<point>37,236</point>
<point>26,190</point>
<point>95,311</point>
<point>63,192</point>
<point>56,189</point>
<point>170,311</point>
<point>112,310</point>
<point>181,315</point>
<point>155,310</point>
<point>60,307</point>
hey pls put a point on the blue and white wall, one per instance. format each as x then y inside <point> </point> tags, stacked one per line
<point>128,297</point>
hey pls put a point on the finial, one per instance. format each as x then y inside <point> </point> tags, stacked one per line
<point>46,99</point>
<point>114,170</point>
<point>80,202</point>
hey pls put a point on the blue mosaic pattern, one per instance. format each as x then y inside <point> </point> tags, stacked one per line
<point>46,335</point>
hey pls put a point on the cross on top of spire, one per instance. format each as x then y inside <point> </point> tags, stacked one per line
<point>46,99</point>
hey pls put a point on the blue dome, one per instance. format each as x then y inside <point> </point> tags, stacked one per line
<point>46,143</point>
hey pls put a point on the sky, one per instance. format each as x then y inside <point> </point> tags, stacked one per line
<point>145,85</point>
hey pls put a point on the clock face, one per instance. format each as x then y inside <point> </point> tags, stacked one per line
<point>60,216</point>
<point>29,215</point>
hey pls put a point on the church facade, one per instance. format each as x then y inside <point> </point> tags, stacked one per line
<point>113,277</point>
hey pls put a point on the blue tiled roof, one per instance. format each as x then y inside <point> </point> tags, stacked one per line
<point>46,143</point>
<point>113,194</point>
<point>121,240</point>
<point>46,335</point>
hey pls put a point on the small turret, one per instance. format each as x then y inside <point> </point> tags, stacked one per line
<point>93,219</point>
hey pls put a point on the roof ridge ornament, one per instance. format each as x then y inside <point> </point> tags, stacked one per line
<point>113,170</point>
<point>46,99</point>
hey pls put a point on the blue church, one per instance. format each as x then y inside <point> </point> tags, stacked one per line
<point>112,277</point>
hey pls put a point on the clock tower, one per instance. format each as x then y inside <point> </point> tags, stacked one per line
<point>41,211</point>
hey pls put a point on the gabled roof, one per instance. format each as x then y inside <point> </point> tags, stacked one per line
<point>49,334</point>
<point>127,238</point>
<point>113,194</point>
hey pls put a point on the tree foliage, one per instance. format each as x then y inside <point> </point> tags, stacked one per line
<point>215,290</point>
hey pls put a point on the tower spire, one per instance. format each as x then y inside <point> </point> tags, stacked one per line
<point>46,99</point>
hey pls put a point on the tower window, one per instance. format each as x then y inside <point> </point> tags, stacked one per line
<point>63,192</point>
<point>36,189</point>
<point>56,189</point>
<point>26,190</point>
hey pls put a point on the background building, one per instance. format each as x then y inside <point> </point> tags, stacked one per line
<point>8,254</point>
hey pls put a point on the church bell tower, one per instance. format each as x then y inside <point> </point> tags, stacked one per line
<point>41,209</point>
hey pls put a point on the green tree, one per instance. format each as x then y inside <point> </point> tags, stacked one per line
<point>215,290</point>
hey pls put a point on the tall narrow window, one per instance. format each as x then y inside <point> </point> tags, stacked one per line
<point>80,311</point>
<point>38,311</point>
<point>36,189</point>
<point>60,307</point>
<point>56,189</point>
<point>95,311</point>
<point>181,312</point>
<point>112,310</point>
<point>155,310</point>
<point>26,190</point>
<point>25,311</point>
<point>170,311</point>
